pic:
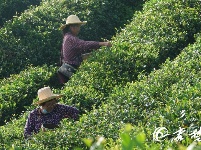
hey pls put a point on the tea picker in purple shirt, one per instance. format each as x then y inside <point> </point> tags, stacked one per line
<point>74,50</point>
<point>49,113</point>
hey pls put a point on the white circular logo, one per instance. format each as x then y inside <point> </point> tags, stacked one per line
<point>160,133</point>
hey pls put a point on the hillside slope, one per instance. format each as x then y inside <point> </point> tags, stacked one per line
<point>161,31</point>
<point>36,37</point>
<point>16,89</point>
<point>149,78</point>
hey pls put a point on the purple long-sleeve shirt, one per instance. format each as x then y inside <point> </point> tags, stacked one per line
<point>36,119</point>
<point>73,48</point>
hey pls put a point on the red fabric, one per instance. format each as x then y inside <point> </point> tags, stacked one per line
<point>73,48</point>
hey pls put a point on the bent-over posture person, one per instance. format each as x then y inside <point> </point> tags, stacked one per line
<point>49,113</point>
<point>73,48</point>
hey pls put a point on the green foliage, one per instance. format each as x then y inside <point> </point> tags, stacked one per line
<point>14,134</point>
<point>150,78</point>
<point>155,34</point>
<point>35,38</point>
<point>82,97</point>
<point>168,97</point>
<point>10,8</point>
<point>128,142</point>
<point>154,101</point>
<point>30,25</point>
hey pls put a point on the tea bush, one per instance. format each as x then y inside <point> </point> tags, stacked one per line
<point>35,38</point>
<point>161,91</point>
<point>11,108</point>
<point>7,136</point>
<point>19,90</point>
<point>168,97</point>
<point>10,55</point>
<point>10,8</point>
<point>159,32</point>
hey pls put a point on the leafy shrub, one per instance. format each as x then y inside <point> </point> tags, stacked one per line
<point>13,132</point>
<point>7,54</point>
<point>167,97</point>
<point>154,101</point>
<point>10,8</point>
<point>159,32</point>
<point>35,35</point>
<point>10,85</point>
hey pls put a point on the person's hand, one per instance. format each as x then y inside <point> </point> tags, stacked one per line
<point>108,44</point>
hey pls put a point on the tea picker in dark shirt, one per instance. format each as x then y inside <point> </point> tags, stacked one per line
<point>74,50</point>
<point>49,114</point>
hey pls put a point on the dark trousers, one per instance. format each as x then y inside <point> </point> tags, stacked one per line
<point>62,79</point>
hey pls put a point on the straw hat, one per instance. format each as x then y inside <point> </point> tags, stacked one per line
<point>45,94</point>
<point>72,19</point>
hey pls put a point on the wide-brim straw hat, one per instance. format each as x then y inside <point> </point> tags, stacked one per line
<point>72,19</point>
<point>45,94</point>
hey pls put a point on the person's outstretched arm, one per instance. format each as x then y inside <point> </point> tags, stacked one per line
<point>108,44</point>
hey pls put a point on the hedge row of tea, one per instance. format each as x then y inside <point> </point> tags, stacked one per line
<point>10,8</point>
<point>9,94</point>
<point>167,97</point>
<point>35,37</point>
<point>19,90</point>
<point>159,32</point>
<point>87,95</point>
